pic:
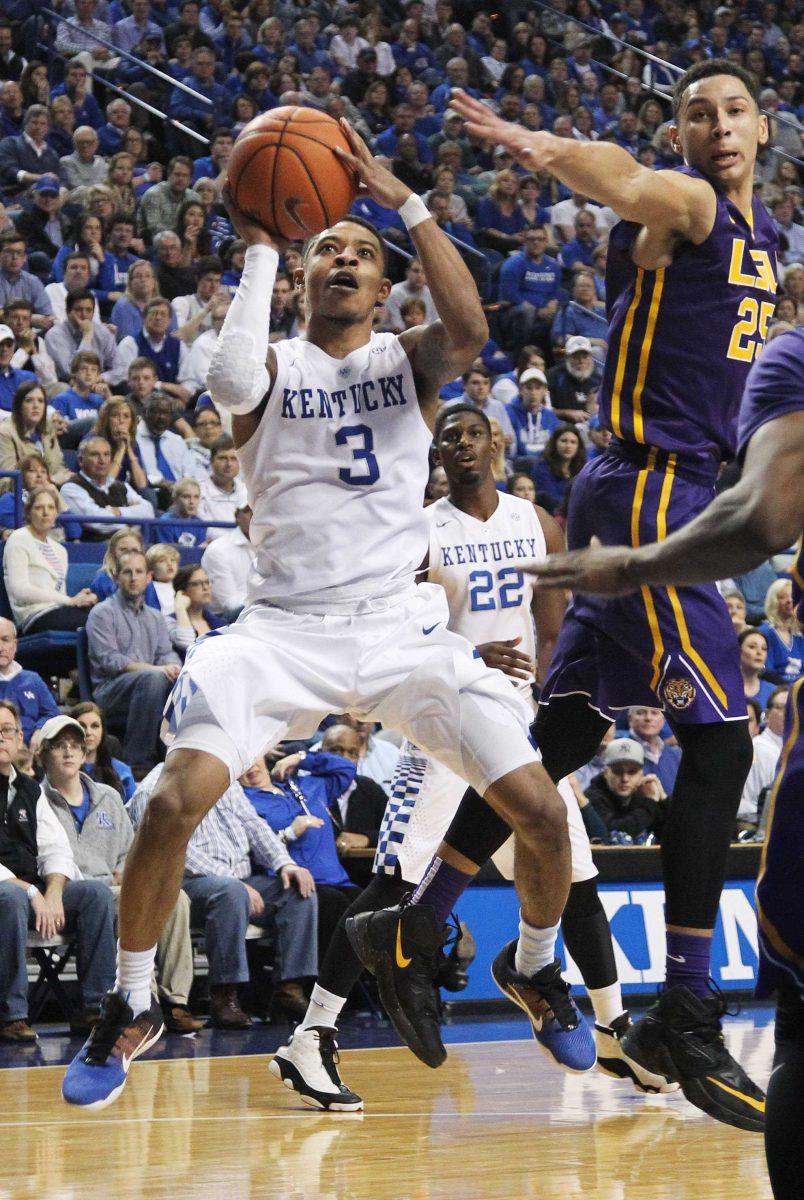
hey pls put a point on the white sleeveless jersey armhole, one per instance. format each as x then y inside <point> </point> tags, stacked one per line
<point>336,473</point>
<point>479,565</point>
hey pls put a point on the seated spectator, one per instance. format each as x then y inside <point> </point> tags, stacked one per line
<point>563,215</point>
<point>296,806</point>
<point>28,430</point>
<point>173,278</point>
<point>413,287</point>
<point>121,543</point>
<point>128,313</point>
<point>408,167</point>
<point>100,834</point>
<point>783,634</point>
<point>521,485</point>
<point>753,660</point>
<point>165,456</point>
<point>767,751</point>
<point>228,561</point>
<point>79,331</point>
<point>99,762</point>
<point>163,563</point>
<point>193,616</point>
<point>499,221</point>
<point>532,422</point>
<point>477,391</point>
<point>574,381</point>
<point>529,291</point>
<point>280,318</point>
<point>358,812</point>
<point>580,249</point>
<point>43,225</point>
<point>34,474</point>
<point>93,491</point>
<point>40,885</point>
<point>132,663</point>
<point>157,345</point>
<point>11,378</point>
<point>378,757</point>
<point>194,376</point>
<point>437,485</point>
<point>226,895</point>
<point>184,508</point>
<point>118,259</point>
<point>26,158</point>
<point>194,312</point>
<point>735,603</point>
<point>583,316</point>
<point>599,438</point>
<point>16,284</point>
<point>556,467</point>
<point>223,492</point>
<point>84,167</point>
<point>25,689</point>
<point>626,800</point>
<point>76,279</point>
<point>81,402</point>
<point>86,238</point>
<point>196,239</point>
<point>413,313</point>
<point>160,204</point>
<point>35,572</point>
<point>29,354</point>
<point>644,727</point>
<point>117,422</point>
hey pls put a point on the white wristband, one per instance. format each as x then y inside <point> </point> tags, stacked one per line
<point>31,891</point>
<point>414,211</point>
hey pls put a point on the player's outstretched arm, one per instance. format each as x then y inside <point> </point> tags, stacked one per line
<point>442,350</point>
<point>664,201</point>
<point>744,526</point>
<point>242,368</point>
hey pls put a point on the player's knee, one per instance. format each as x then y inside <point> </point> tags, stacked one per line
<point>534,809</point>
<point>170,817</point>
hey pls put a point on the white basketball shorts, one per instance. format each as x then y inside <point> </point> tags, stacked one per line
<point>425,796</point>
<point>276,674</point>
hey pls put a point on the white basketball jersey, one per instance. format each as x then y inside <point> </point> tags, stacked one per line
<point>478,564</point>
<point>336,474</point>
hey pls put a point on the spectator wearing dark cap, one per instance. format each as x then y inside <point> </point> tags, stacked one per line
<point>574,381</point>
<point>25,159</point>
<point>42,224</point>
<point>357,81</point>
<point>627,801</point>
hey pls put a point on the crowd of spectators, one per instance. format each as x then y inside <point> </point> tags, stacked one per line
<point>117,266</point>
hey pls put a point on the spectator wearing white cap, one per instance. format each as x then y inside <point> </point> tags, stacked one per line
<point>574,381</point>
<point>626,800</point>
<point>532,421</point>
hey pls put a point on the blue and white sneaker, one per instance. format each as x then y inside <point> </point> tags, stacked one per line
<point>558,1026</point>
<point>98,1073</point>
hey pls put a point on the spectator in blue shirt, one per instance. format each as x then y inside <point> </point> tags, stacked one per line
<point>404,120</point>
<point>26,689</point>
<point>645,727</point>
<point>499,219</point>
<point>80,401</point>
<point>556,467</point>
<point>132,30</point>
<point>583,316</point>
<point>783,634</point>
<point>530,285</point>
<point>85,107</point>
<point>112,280</point>
<point>532,422</point>
<point>409,52</point>
<point>214,164</point>
<point>173,527</point>
<point>308,54</point>
<point>582,247</point>
<point>457,72</point>
<point>232,40</point>
<point>10,377</point>
<point>186,108</point>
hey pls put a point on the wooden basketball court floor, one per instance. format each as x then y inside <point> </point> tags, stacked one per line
<point>498,1120</point>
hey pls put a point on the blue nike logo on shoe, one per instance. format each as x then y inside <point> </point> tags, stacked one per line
<point>432,627</point>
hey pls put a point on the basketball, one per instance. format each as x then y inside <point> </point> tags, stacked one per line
<point>284,174</point>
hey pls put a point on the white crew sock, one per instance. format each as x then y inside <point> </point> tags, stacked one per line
<point>133,982</point>
<point>323,1010</point>
<point>535,949</point>
<point>607,1003</point>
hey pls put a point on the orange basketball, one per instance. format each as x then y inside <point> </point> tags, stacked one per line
<point>284,174</point>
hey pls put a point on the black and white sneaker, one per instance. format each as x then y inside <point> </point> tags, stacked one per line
<point>309,1065</point>
<point>680,1036</point>
<point>614,1062</point>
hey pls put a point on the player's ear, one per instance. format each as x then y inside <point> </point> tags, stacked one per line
<point>674,138</point>
<point>763,131</point>
<point>384,291</point>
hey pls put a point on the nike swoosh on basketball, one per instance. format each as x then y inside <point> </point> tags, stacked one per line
<point>401,961</point>
<point>431,628</point>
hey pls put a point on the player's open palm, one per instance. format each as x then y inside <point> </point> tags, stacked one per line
<point>376,179</point>
<point>506,658</point>
<point>481,122</point>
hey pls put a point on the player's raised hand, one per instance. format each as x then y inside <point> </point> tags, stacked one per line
<point>247,228</point>
<point>374,178</point>
<point>481,122</point>
<point>506,658</point>
<point>599,570</point>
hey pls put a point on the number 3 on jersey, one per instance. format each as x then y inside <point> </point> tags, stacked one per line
<point>481,590</point>
<point>360,440</point>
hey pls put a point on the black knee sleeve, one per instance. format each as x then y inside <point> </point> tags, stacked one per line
<point>587,935</point>
<point>476,831</point>
<point>783,1143</point>
<point>715,760</point>
<point>341,968</point>
<point>568,733</point>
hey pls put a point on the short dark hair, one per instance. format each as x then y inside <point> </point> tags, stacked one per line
<point>76,254</point>
<point>782,689</point>
<point>478,370</point>
<point>184,575</point>
<point>10,238</point>
<point>122,218</point>
<point>310,242</point>
<point>707,68</point>
<point>223,443</point>
<point>182,159</point>
<point>72,298</point>
<point>452,410</point>
<point>209,264</point>
<point>18,306</point>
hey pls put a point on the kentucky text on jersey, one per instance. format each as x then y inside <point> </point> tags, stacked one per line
<point>482,552</point>
<point>366,396</point>
<point>682,338</point>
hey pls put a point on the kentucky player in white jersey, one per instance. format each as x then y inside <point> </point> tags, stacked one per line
<point>484,546</point>
<point>333,432</point>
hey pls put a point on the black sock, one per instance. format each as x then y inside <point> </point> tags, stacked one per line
<point>341,967</point>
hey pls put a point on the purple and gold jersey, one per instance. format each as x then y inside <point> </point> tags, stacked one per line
<point>776,388</point>
<point>682,338</point>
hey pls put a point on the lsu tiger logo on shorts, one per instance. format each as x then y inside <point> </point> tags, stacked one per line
<point>679,692</point>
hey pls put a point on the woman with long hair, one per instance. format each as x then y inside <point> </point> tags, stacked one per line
<point>195,237</point>
<point>194,617</point>
<point>34,83</point>
<point>28,430</point>
<point>120,181</point>
<point>117,422</point>
<point>499,221</point>
<point>499,467</point>
<point>783,633</point>
<point>243,109</point>
<point>375,108</point>
<point>520,484</point>
<point>87,236</point>
<point>583,124</point>
<point>753,657</point>
<point>649,118</point>
<point>557,465</point>
<point>128,312</point>
<point>62,125</point>
<point>34,474</point>
<point>35,571</point>
<point>98,761</point>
